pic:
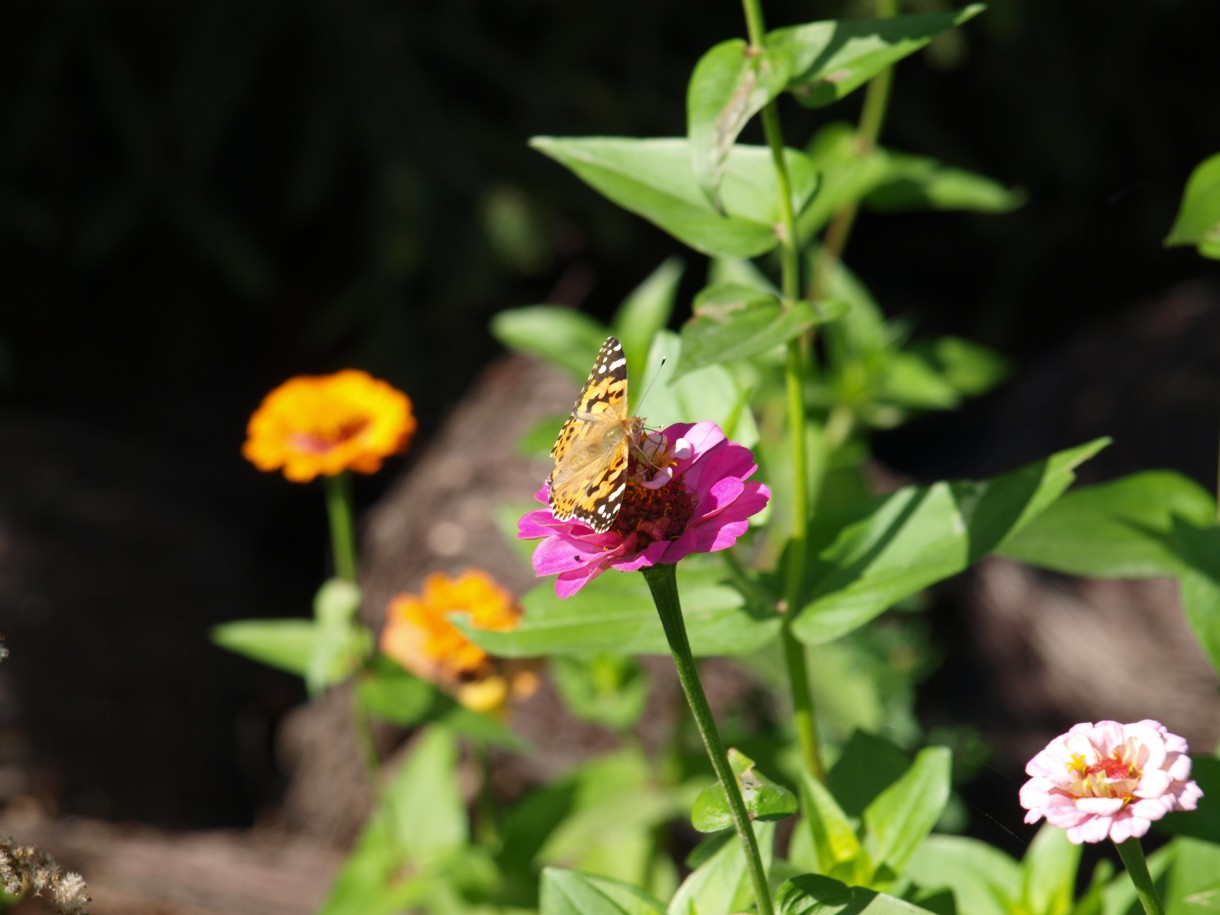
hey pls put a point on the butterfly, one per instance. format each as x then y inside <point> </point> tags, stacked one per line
<point>594,445</point>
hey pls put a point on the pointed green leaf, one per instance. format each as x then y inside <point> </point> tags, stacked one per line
<point>720,881</point>
<point>294,645</point>
<point>903,815</point>
<point>813,894</point>
<point>984,880</point>
<point>653,178</point>
<point>730,84</point>
<point>764,798</point>
<point>1199,551</point>
<point>568,892</point>
<point>1198,220</point>
<point>864,560</point>
<point>615,613</point>
<point>834,840</point>
<point>734,322</point>
<point>420,821</point>
<point>831,59</point>
<point>921,183</point>
<point>867,765</point>
<point>1048,872</point>
<point>1121,529</point>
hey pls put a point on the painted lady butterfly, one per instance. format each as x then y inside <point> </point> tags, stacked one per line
<point>594,445</point>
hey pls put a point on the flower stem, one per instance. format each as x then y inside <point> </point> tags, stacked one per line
<point>1132,854</point>
<point>663,583</point>
<point>342,530</point>
<point>790,284</point>
<point>872,116</point>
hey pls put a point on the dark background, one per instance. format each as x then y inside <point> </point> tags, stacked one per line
<point>199,200</point>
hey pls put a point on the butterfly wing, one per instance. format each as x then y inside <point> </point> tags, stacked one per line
<point>592,449</point>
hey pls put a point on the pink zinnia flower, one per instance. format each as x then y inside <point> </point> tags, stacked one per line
<point>1109,780</point>
<point>686,493</point>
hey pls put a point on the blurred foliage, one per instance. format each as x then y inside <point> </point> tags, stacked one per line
<point>216,193</point>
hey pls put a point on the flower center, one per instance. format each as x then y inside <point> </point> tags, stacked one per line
<point>1108,777</point>
<point>650,511</point>
<point>324,437</point>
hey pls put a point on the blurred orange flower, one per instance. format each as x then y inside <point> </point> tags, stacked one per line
<point>326,424</point>
<point>418,636</point>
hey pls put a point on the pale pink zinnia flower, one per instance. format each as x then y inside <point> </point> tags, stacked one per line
<point>1109,780</point>
<point>688,493</point>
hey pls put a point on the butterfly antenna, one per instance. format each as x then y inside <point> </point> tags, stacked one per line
<point>651,382</point>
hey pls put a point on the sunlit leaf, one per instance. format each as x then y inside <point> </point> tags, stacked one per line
<point>730,84</point>
<point>830,59</point>
<point>863,560</point>
<point>1198,220</point>
<point>654,179</point>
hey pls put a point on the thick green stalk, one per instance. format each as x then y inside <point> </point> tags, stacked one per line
<point>1132,854</point>
<point>342,529</point>
<point>790,283</point>
<point>663,583</point>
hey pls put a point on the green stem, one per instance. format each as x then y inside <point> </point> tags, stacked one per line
<point>1132,854</point>
<point>872,116</point>
<point>790,284</point>
<point>367,746</point>
<point>342,529</point>
<point>663,583</point>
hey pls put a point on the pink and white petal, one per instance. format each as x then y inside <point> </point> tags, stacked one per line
<point>1100,806</point>
<point>1153,783</point>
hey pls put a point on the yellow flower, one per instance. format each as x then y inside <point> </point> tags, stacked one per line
<point>419,637</point>
<point>326,424</point>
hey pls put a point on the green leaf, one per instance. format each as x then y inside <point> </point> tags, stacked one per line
<point>283,644</point>
<point>1121,529</point>
<point>1049,872</point>
<point>734,322</point>
<point>865,767</point>
<point>921,183</point>
<point>710,393</point>
<point>420,821</point>
<point>720,881</point>
<point>561,336</point>
<point>730,84</point>
<point>610,690</point>
<point>615,613</point>
<point>1198,221</point>
<point>764,799</point>
<point>1193,883</point>
<point>613,808</point>
<point>340,638</point>
<point>645,312</point>
<point>834,840</point>
<point>984,880</point>
<point>1199,551</point>
<point>293,645</point>
<point>864,560</point>
<point>813,894</point>
<point>903,815</point>
<point>653,179</point>
<point>568,892</point>
<point>830,59</point>
<point>936,374</point>
<point>888,180</point>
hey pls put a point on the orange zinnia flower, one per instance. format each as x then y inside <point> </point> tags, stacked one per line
<point>326,424</point>
<point>418,636</point>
